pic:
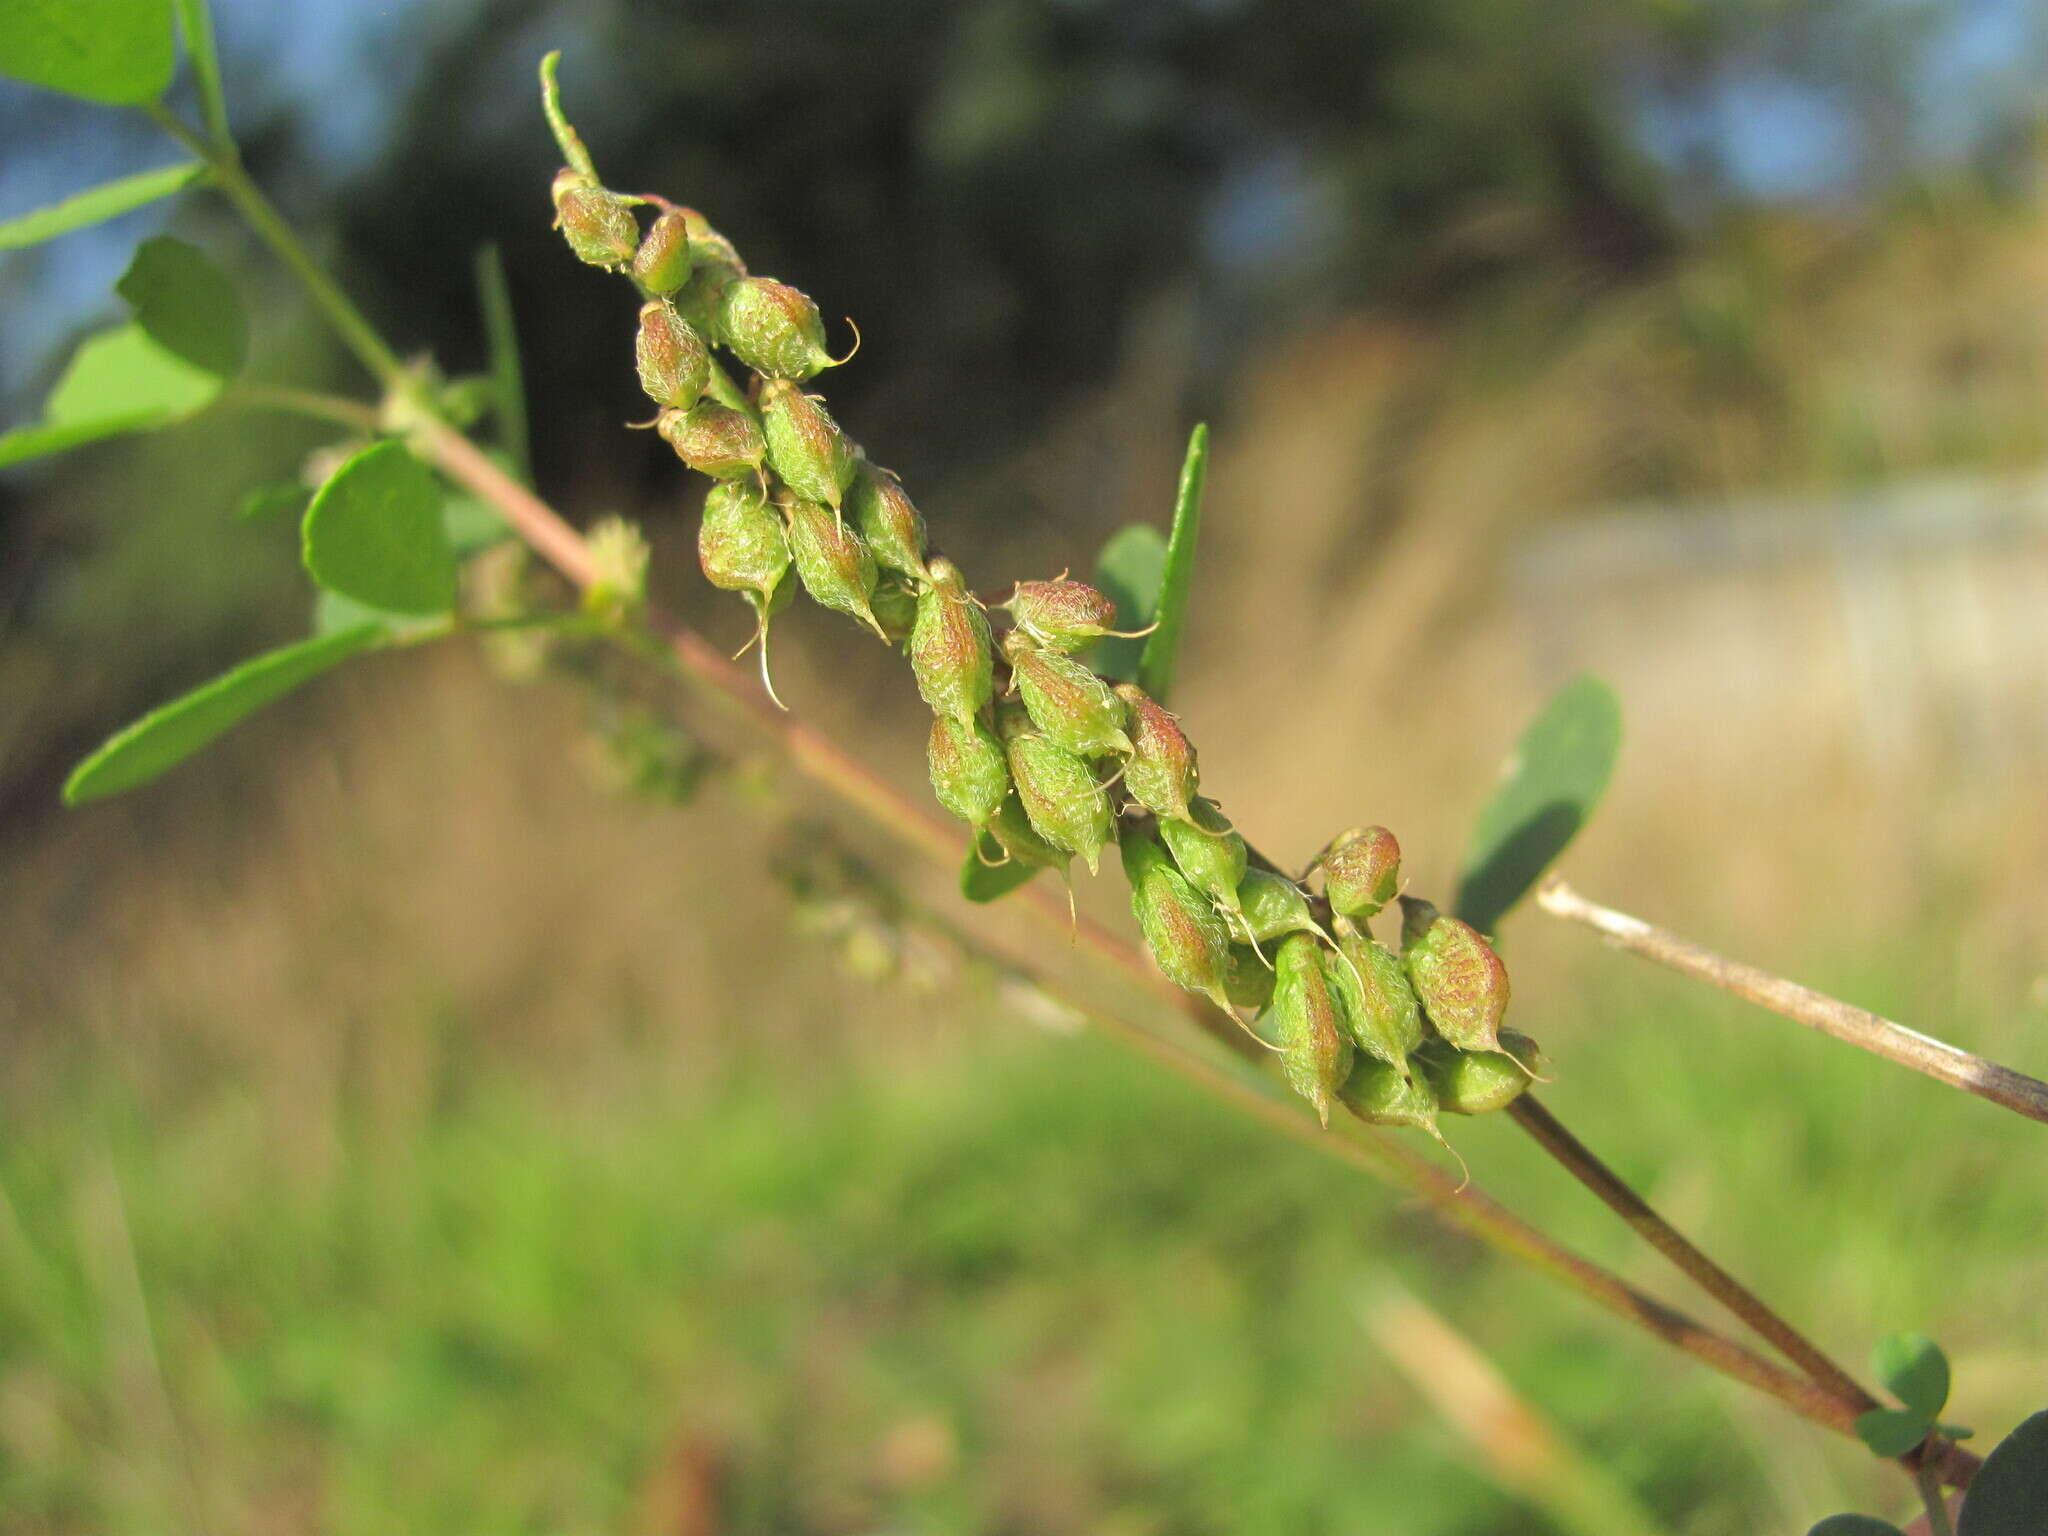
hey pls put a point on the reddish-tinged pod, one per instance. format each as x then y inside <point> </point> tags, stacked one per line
<point>1458,978</point>
<point>949,645</point>
<point>714,440</point>
<point>674,363</point>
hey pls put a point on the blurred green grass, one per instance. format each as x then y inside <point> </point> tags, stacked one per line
<point>1029,1284</point>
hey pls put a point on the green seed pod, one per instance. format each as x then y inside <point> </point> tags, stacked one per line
<point>772,328</point>
<point>1069,703</point>
<point>888,520</point>
<point>1380,1006</point>
<point>714,440</point>
<point>1161,774</point>
<point>1315,1053</point>
<point>949,646</point>
<point>1062,798</point>
<point>714,267</point>
<point>970,773</point>
<point>1379,1095</point>
<point>1014,833</point>
<point>740,544</point>
<point>1063,616</point>
<point>895,606</point>
<point>1269,905</point>
<point>805,446</point>
<point>675,365</point>
<point>1362,872</point>
<point>662,264</point>
<point>1181,929</point>
<point>1460,981</point>
<point>598,225</point>
<point>1209,854</point>
<point>1247,980</point>
<point>831,562</point>
<point>1479,1082</point>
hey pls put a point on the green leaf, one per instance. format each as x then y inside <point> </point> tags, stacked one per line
<point>501,335</point>
<point>98,204</point>
<point>114,51</point>
<point>473,524</point>
<point>1892,1431</point>
<point>1914,1370</point>
<point>165,737</point>
<point>118,381</point>
<point>374,533</point>
<point>1854,1525</point>
<point>1162,646</point>
<point>187,304</point>
<point>2010,1493</point>
<point>981,881</point>
<point>1549,786</point>
<point>1128,572</point>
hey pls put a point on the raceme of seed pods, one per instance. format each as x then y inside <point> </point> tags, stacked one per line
<point>1041,758</point>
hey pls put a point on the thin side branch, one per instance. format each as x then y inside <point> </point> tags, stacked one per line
<point>1880,1036</point>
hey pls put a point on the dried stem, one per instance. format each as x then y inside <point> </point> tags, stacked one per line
<point>1880,1036</point>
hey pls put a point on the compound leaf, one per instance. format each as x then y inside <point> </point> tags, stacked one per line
<point>1128,572</point>
<point>1549,786</point>
<point>113,51</point>
<point>166,736</point>
<point>188,305</point>
<point>374,533</point>
<point>95,205</point>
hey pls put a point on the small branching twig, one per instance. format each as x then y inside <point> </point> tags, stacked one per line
<point>1880,1036</point>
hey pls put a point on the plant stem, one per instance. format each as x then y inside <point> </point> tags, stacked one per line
<point>348,322</point>
<point>1929,1481</point>
<point>1880,1036</point>
<point>195,20</point>
<point>301,402</point>
<point>1529,1113</point>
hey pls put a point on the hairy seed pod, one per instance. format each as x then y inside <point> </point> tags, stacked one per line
<point>1161,773</point>
<point>970,773</point>
<point>1247,980</point>
<point>895,607</point>
<point>1062,797</point>
<point>675,365</point>
<point>1014,834</point>
<point>1270,904</point>
<point>714,440</point>
<point>805,446</point>
<point>1062,616</point>
<point>772,328</point>
<point>831,562</point>
<point>949,646</point>
<point>1379,1095</point>
<point>888,520</point>
<point>1315,1053</point>
<point>1362,872</point>
<point>1069,703</point>
<point>1480,1082</point>
<point>1209,852</point>
<point>662,263</point>
<point>1380,1006</point>
<point>1181,929</point>
<point>741,544</point>
<point>598,225</point>
<point>1458,978</point>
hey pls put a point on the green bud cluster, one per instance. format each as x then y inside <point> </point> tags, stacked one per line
<point>1040,757</point>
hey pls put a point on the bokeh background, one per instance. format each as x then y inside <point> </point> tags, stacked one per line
<point>402,1129</point>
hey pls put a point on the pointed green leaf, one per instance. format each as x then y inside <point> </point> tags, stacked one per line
<point>119,381</point>
<point>1549,786</point>
<point>114,51</point>
<point>981,881</point>
<point>1854,1525</point>
<point>95,205</point>
<point>1914,1370</point>
<point>165,737</point>
<point>2009,1495</point>
<point>501,336</point>
<point>1892,1431</point>
<point>374,533</point>
<point>1162,646</point>
<point>187,305</point>
<point>1128,572</point>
